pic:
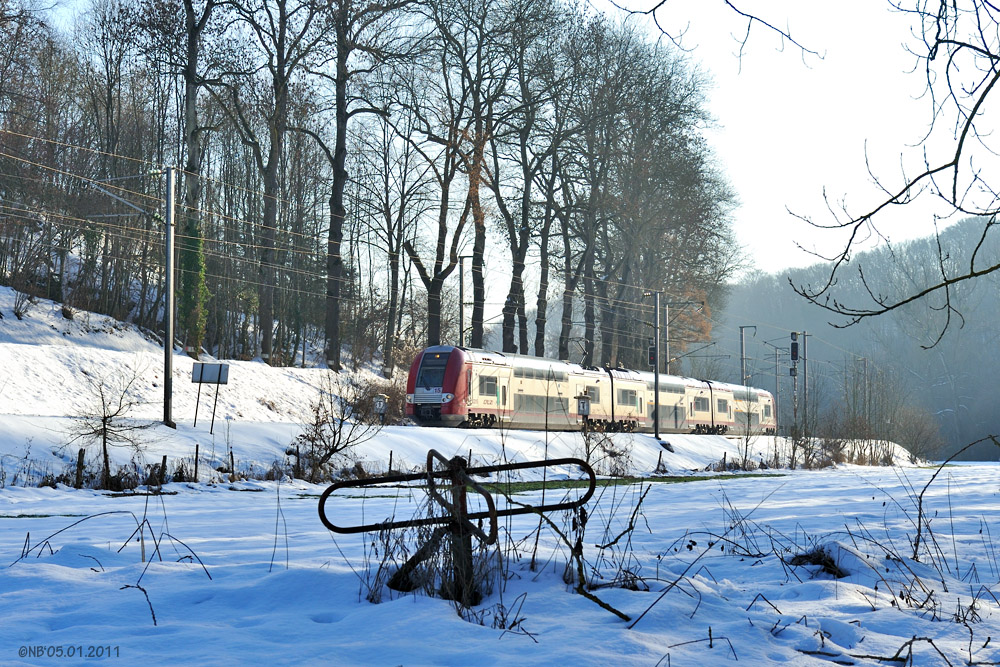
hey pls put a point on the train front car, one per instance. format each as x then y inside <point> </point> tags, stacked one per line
<point>435,396</point>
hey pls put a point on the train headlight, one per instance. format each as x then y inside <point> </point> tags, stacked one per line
<point>447,398</point>
<point>409,399</point>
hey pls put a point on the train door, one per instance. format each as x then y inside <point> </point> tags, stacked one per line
<point>503,385</point>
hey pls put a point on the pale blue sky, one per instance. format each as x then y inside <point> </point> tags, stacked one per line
<point>792,124</point>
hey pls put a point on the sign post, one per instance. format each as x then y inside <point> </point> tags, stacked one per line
<point>209,374</point>
<point>381,405</point>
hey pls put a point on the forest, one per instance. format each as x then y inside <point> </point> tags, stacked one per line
<point>343,168</point>
<point>922,374</point>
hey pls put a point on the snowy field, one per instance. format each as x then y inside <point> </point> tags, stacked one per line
<point>270,584</point>
<point>799,567</point>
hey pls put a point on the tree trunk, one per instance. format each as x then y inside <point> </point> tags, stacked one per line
<point>479,224</point>
<point>106,482</point>
<point>194,293</point>
<point>434,311</point>
<point>270,222</point>
<point>338,213</point>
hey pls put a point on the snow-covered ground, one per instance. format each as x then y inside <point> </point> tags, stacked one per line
<point>245,572</point>
<point>283,590</point>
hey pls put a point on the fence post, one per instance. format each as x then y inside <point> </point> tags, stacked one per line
<point>79,469</point>
<point>196,463</point>
<point>463,581</point>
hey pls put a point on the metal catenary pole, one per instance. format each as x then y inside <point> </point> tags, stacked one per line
<point>656,366</point>
<point>168,308</point>
<point>805,384</point>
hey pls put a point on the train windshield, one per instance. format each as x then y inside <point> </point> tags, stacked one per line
<point>432,370</point>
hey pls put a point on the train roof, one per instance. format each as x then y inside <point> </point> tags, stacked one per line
<point>514,360</point>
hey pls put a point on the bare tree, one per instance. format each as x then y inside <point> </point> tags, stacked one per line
<point>396,195</point>
<point>438,100</point>
<point>364,37</point>
<point>106,422</point>
<point>524,132</point>
<point>343,417</point>
<point>957,51</point>
<point>287,34</point>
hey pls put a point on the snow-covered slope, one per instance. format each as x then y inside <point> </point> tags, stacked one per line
<point>49,366</point>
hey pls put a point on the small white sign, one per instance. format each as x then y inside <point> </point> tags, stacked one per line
<point>210,373</point>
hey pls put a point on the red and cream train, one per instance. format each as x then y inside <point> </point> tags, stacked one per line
<point>455,386</point>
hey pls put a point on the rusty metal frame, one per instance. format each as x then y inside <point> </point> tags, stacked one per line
<point>431,474</point>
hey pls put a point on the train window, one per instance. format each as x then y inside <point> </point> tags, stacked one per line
<point>432,370</point>
<point>626,396</point>
<point>767,410</point>
<point>595,394</point>
<point>722,405</point>
<point>701,404</point>
<point>488,386</point>
<point>541,404</point>
<point>558,405</point>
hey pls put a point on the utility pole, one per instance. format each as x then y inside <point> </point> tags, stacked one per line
<point>655,359</point>
<point>805,384</point>
<point>666,325</point>
<point>656,348</point>
<point>777,375</point>
<point>168,308</point>
<point>656,367</point>
<point>743,354</point>
<point>168,278</point>
<point>794,372</point>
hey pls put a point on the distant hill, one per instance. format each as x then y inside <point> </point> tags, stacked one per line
<point>953,381</point>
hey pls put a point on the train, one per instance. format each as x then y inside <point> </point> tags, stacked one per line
<point>471,388</point>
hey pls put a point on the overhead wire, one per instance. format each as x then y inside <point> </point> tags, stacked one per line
<point>624,307</point>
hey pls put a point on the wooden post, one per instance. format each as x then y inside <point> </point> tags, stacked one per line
<point>197,402</point>
<point>390,461</point>
<point>214,404</point>
<point>163,470</point>
<point>463,581</point>
<point>79,470</point>
<point>232,466</point>
<point>196,462</point>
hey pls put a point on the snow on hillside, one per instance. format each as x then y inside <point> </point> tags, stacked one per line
<point>49,363</point>
<point>722,569</point>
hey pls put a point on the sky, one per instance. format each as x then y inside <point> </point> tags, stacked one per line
<point>791,125</point>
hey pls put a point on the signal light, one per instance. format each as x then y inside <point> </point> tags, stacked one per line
<point>795,351</point>
<point>652,355</point>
